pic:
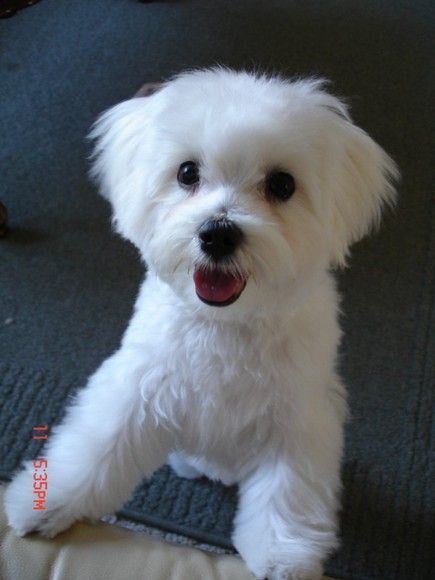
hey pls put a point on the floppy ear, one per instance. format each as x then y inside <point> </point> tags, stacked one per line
<point>361,186</point>
<point>120,136</point>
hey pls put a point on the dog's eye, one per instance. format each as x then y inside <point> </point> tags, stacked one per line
<point>280,185</point>
<point>188,174</point>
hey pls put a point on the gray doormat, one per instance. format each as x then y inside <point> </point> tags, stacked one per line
<point>67,285</point>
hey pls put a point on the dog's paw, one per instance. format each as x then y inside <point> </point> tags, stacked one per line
<point>286,571</point>
<point>48,523</point>
<point>25,516</point>
<point>291,572</point>
<point>279,561</point>
<point>284,568</point>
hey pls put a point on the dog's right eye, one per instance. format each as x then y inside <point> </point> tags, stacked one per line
<point>188,174</point>
<point>280,185</point>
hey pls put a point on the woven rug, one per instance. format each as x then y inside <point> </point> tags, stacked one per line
<point>67,284</point>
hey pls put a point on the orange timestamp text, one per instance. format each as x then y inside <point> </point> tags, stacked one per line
<point>40,472</point>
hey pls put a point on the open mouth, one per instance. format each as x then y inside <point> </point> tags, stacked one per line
<point>216,288</point>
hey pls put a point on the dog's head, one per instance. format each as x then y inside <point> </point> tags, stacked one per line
<point>240,190</point>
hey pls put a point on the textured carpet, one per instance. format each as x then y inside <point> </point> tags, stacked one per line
<point>67,284</point>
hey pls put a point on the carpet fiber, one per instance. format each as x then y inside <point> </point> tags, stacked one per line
<point>67,284</point>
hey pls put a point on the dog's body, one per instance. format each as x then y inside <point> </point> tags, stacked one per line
<point>228,364</point>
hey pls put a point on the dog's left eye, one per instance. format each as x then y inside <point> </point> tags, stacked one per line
<point>188,174</point>
<point>280,185</point>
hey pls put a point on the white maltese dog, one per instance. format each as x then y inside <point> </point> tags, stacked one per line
<point>241,192</point>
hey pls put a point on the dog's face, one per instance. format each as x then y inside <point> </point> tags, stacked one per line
<point>239,191</point>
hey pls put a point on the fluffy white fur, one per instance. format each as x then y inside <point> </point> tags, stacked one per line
<point>246,393</point>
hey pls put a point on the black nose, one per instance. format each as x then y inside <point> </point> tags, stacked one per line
<point>219,238</point>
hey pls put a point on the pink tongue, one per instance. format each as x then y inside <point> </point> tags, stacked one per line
<point>215,286</point>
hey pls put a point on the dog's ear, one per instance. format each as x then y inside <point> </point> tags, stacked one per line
<point>121,136</point>
<point>361,185</point>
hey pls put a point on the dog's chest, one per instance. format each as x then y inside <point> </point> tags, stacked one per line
<point>227,379</point>
<point>229,360</point>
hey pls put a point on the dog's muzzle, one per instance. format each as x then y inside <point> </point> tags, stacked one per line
<point>219,239</point>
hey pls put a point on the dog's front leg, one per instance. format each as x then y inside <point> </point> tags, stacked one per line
<point>95,457</point>
<point>286,521</point>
